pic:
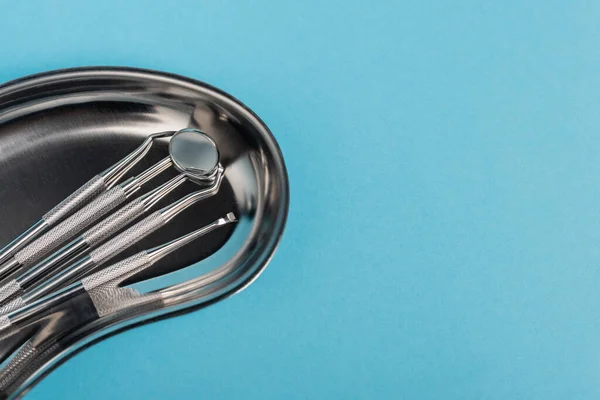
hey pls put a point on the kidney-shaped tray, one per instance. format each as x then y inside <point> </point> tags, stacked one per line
<point>58,129</point>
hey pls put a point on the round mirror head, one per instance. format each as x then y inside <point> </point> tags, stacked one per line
<point>194,153</point>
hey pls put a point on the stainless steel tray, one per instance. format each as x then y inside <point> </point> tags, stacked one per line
<point>60,128</point>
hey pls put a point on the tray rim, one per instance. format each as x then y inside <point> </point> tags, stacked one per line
<point>32,80</point>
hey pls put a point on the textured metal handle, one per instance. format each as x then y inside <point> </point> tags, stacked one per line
<point>114,223</point>
<point>83,218</point>
<point>8,290</point>
<point>75,201</point>
<point>23,364</point>
<point>12,305</point>
<point>108,299</point>
<point>118,272</point>
<point>127,238</point>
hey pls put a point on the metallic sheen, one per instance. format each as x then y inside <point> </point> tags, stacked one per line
<point>82,121</point>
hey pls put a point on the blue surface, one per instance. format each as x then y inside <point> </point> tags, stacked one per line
<point>444,231</point>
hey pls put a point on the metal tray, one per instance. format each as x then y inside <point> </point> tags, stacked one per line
<point>58,129</point>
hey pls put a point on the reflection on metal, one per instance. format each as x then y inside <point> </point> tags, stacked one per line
<point>226,149</point>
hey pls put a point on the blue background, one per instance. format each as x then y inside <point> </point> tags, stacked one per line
<point>444,231</point>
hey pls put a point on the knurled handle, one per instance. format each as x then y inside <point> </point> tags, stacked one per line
<point>65,230</point>
<point>127,238</point>
<point>114,223</point>
<point>118,272</point>
<point>8,291</point>
<point>23,364</point>
<point>13,305</point>
<point>75,201</point>
<point>109,299</point>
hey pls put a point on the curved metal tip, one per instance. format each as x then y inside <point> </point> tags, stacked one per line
<point>113,174</point>
<point>161,135</point>
<point>230,217</point>
<point>158,252</point>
